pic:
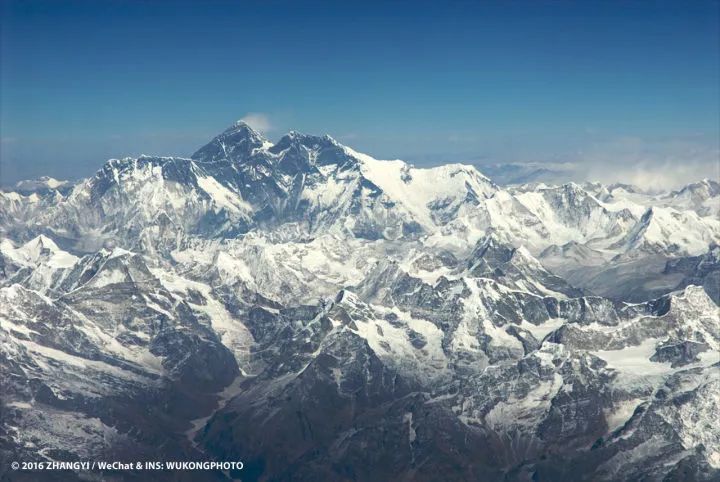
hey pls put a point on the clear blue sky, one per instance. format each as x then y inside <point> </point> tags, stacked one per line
<point>83,81</point>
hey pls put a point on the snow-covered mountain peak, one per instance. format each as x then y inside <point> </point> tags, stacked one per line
<point>669,231</point>
<point>296,139</point>
<point>236,144</point>
<point>693,301</point>
<point>297,153</point>
<point>38,264</point>
<point>243,129</point>
<point>705,188</point>
<point>493,250</point>
<point>514,267</point>
<point>130,174</point>
<point>570,194</point>
<point>32,252</point>
<point>39,244</point>
<point>41,184</point>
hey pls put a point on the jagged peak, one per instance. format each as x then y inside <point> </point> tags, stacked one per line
<point>110,252</point>
<point>242,127</point>
<point>295,138</point>
<point>683,303</point>
<point>570,186</point>
<point>712,187</point>
<point>150,157</point>
<point>43,183</point>
<point>114,170</point>
<point>492,238</point>
<point>492,249</point>
<point>34,250</point>
<point>573,189</point>
<point>142,159</point>
<point>235,143</point>
<point>41,242</point>
<point>345,301</point>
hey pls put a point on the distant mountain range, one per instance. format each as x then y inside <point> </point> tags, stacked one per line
<point>323,315</point>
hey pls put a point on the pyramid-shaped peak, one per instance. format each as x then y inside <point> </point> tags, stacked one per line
<point>41,242</point>
<point>493,250</point>
<point>235,143</point>
<point>242,126</point>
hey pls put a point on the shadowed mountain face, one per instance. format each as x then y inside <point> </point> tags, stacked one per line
<point>323,315</point>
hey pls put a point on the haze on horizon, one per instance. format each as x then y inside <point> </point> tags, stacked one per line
<point>609,90</point>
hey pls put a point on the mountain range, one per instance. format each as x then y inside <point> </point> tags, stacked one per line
<point>323,315</point>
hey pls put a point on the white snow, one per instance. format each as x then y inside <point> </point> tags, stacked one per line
<point>621,413</point>
<point>222,196</point>
<point>77,362</point>
<point>542,330</point>
<point>234,335</point>
<point>417,188</point>
<point>108,277</point>
<point>30,253</point>
<point>635,360</point>
<point>392,343</point>
<point>526,411</point>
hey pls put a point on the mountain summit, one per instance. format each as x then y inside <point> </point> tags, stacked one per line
<point>236,143</point>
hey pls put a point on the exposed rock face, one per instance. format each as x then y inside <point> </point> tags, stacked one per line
<point>703,270</point>
<point>322,315</point>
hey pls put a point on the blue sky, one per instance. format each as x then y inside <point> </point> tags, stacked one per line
<point>83,81</point>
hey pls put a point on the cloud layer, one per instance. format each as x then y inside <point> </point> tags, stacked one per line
<point>655,165</point>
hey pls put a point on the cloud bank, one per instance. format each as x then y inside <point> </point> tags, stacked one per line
<point>653,165</point>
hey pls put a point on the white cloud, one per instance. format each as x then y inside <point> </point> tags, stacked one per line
<point>655,165</point>
<point>258,121</point>
<point>657,177</point>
